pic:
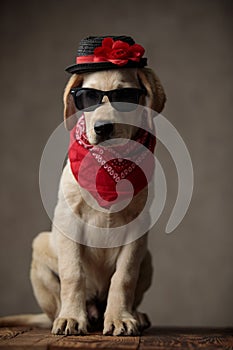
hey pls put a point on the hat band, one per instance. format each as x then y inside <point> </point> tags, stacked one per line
<point>94,59</point>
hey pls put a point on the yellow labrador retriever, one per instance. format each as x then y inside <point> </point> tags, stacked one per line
<point>76,285</point>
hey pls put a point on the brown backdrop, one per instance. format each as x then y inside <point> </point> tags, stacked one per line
<point>188,43</point>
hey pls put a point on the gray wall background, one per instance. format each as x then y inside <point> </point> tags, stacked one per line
<point>189,45</point>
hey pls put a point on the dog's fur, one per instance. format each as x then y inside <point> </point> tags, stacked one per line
<point>75,285</point>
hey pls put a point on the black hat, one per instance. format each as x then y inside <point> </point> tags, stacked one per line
<point>107,52</point>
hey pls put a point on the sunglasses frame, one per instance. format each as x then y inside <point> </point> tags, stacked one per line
<point>108,93</point>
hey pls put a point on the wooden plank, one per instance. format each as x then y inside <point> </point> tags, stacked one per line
<point>22,338</point>
<point>39,339</point>
<point>170,338</point>
<point>8,333</point>
<point>97,341</point>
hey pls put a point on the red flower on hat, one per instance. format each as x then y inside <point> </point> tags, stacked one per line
<point>118,52</point>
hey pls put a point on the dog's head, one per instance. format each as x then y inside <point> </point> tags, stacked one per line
<point>106,121</point>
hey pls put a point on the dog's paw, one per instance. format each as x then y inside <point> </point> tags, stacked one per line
<point>93,313</point>
<point>125,324</point>
<point>69,326</point>
<point>143,320</point>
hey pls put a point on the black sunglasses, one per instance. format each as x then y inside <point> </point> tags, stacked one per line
<point>90,99</point>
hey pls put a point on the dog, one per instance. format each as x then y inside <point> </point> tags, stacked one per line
<point>76,285</point>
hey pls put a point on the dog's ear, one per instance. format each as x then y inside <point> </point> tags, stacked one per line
<point>156,97</point>
<point>69,106</point>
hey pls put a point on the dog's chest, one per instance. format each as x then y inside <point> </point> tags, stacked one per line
<point>99,265</point>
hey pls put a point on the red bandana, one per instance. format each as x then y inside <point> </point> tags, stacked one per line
<point>103,167</point>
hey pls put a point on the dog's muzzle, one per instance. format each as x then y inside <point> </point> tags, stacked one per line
<point>103,129</point>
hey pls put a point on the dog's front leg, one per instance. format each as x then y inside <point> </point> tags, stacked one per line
<point>72,318</point>
<point>119,318</point>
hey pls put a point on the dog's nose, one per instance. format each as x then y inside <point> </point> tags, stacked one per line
<point>103,128</point>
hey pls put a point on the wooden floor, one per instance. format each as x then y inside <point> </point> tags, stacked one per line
<point>154,338</point>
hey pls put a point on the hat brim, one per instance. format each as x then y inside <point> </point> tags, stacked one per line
<point>98,66</point>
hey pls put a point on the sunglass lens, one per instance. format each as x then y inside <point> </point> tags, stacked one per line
<point>125,100</point>
<point>124,106</point>
<point>87,98</point>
